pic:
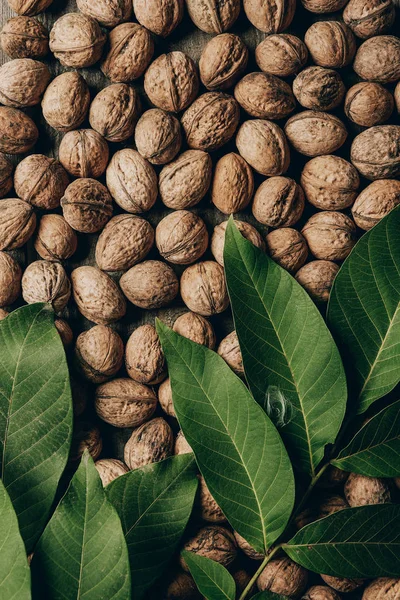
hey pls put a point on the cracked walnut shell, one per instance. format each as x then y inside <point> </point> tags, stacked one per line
<point>87,205</point>
<point>171,81</point>
<point>281,54</point>
<point>317,278</point>
<point>55,239</point>
<point>330,182</point>
<point>97,296</point>
<point>107,12</point>
<point>115,111</point>
<point>144,358</point>
<point>213,17</point>
<point>84,153</point>
<point>158,136</point>
<point>270,16</point>
<point>288,248</point>
<point>125,403</point>
<point>203,288</point>
<point>233,184</point>
<point>130,52</point>
<point>17,223</point>
<point>265,96</point>
<point>222,61</point>
<point>41,181</point>
<point>375,202</point>
<point>218,238</point>
<point>314,133</point>
<point>330,235</point>
<point>23,82</point>
<point>10,279</point>
<point>132,181</point>
<point>186,180</point>
<point>45,281</point>
<point>18,133</point>
<point>150,284</point>
<point>181,237</point>
<point>99,353</point>
<point>196,328</point>
<point>77,40</point>
<point>66,101</point>
<point>264,146</point>
<point>159,16</point>
<point>149,443</point>
<point>278,202</point>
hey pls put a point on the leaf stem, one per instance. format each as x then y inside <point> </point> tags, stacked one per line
<point>260,569</point>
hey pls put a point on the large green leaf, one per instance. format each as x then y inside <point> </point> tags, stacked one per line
<point>237,448</point>
<point>15,577</point>
<point>355,542</point>
<point>364,313</point>
<point>35,414</point>
<point>375,449</point>
<point>154,504</point>
<point>212,579</point>
<point>82,553</point>
<point>291,362</point>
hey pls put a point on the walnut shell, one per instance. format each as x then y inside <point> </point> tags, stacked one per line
<point>23,82</point>
<point>283,576</point>
<point>86,436</point>
<point>368,104</point>
<point>3,314</point>
<point>66,101</point>
<point>383,588</point>
<point>265,96</point>
<point>375,202</point>
<point>45,281</point>
<point>41,181</point>
<point>367,18</point>
<point>130,51</point>
<point>343,584</point>
<point>149,443</point>
<point>181,444</point>
<point>18,133</point>
<point>330,235</point>
<point>278,202</point>
<point>361,491</point>
<point>110,469</point>
<point>203,288</point>
<point>196,328</point>
<point>17,223</point>
<point>87,205</point>
<point>97,297</point>
<point>233,184</point>
<point>213,17</point>
<point>330,44</point>
<point>55,239</point>
<point>222,61</point>
<point>331,505</point>
<point>314,133</point>
<point>186,180</point>
<point>211,121</point>
<point>376,152</point>
<point>288,248</point>
<point>378,59</point>
<point>77,40</point>
<point>158,136</point>
<point>125,403</point>
<point>150,284</point>
<point>324,6</point>
<point>317,278</point>
<point>333,477</point>
<point>125,240</point>
<point>115,111</point>
<point>213,542</point>
<point>107,12</point>
<point>65,332</point>
<point>205,506</point>
<point>270,16</point>
<point>320,592</point>
<point>10,279</point>
<point>181,237</point>
<point>246,548</point>
<point>171,82</point>
<point>84,153</point>
<point>318,88</point>
<point>179,586</point>
<point>159,16</point>
<point>165,400</point>
<point>99,353</point>
<point>6,175</point>
<point>229,350</point>
<point>281,54</point>
<point>29,7</point>
<point>264,146</point>
<point>144,358</point>
<point>330,182</point>
<point>218,238</point>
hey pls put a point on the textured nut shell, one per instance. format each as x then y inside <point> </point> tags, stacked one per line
<point>378,59</point>
<point>45,281</point>
<point>196,328</point>
<point>84,153</point>
<point>115,111</point>
<point>10,279</point>
<point>99,353</point>
<point>213,542</point>
<point>150,284</point>
<point>283,576</point>
<point>361,491</point>
<point>86,436</point>
<point>130,51</point>
<point>314,133</point>
<point>109,469</point>
<point>281,54</point>
<point>179,586</point>
<point>330,235</point>
<point>150,443</point>
<point>218,238</point>
<point>324,6</point>
<point>376,152</point>
<point>125,403</point>
<point>3,314</point>
<point>41,181</point>
<point>55,239</point>
<point>216,16</point>
<point>264,146</point>
<point>265,96</point>
<point>144,358</point>
<point>6,179</point>
<point>369,18</point>
<point>233,184</point>
<point>207,508</point>
<point>22,82</point>
<point>17,223</point>
<point>330,44</point>
<point>181,445</point>
<point>317,278</point>
<point>383,588</point>
<point>270,16</point>
<point>29,7</point>
<point>65,332</point>
<point>158,136</point>
<point>375,202</point>
<point>124,241</point>
<point>107,12</point>
<point>66,101</point>
<point>165,400</point>
<point>132,181</point>
<point>185,181</point>
<point>368,104</point>
<point>330,182</point>
<point>222,61</point>
<point>181,237</point>
<point>87,205</point>
<point>159,16</point>
<point>318,88</point>
<point>18,133</point>
<point>97,297</point>
<point>171,82</point>
<point>342,584</point>
<point>288,248</point>
<point>246,548</point>
<point>203,288</point>
<point>320,592</point>
<point>77,40</point>
<point>229,350</point>
<point>331,505</point>
<point>278,202</point>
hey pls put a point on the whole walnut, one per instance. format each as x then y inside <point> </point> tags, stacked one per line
<point>283,576</point>
<point>29,7</point>
<point>213,17</point>
<point>17,223</point>
<point>45,281</point>
<point>318,88</point>
<point>264,146</point>
<point>41,181</point>
<point>320,592</point>
<point>55,239</point>
<point>115,111</point>
<point>203,288</point>
<point>124,241</point>
<point>330,235</point>
<point>181,445</point>
<point>375,202</point>
<point>66,101</point>
<point>129,54</point>
<point>196,328</point>
<point>132,181</point>
<point>87,205</point>
<point>18,133</point>
<point>3,314</point>
<point>107,12</point>
<point>246,548</point>
<point>368,104</point>
<point>144,358</point>
<point>376,152</point>
<point>229,350</point>
<point>150,284</point>
<point>65,332</point>
<point>214,542</point>
<point>288,248</point>
<point>330,44</point>
<point>186,180</point>
<point>10,279</point>
<point>369,17</point>
<point>23,37</point>
<point>77,40</point>
<point>86,436</point>
<point>222,61</point>
<point>165,400</point>
<point>6,175</point>
<point>149,443</point>
<point>159,16</point>
<point>22,82</point>
<point>265,96</point>
<point>270,16</point>
<point>218,238</point>
<point>281,54</point>
<point>343,584</point>
<point>361,491</point>
<point>378,59</point>
<point>171,81</point>
<point>179,586</point>
<point>383,588</point>
<point>317,278</point>
<point>158,136</point>
<point>181,237</point>
<point>211,121</point>
<point>324,6</point>
<point>278,202</point>
<point>99,353</point>
<point>330,182</point>
<point>84,153</point>
<point>97,297</point>
<point>205,505</point>
<point>314,133</point>
<point>125,403</point>
<point>109,469</point>
<point>233,184</point>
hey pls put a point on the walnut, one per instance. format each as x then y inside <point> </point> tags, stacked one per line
<point>383,588</point>
<point>288,248</point>
<point>330,182</point>
<point>150,284</point>
<point>41,181</point>
<point>6,175</point>
<point>213,17</point>
<point>376,152</point>
<point>368,104</point>
<point>333,477</point>
<point>110,469</point>
<point>125,403</point>
<point>10,279</point>
<point>222,61</point>
<point>55,239</point>
<point>107,12</point>
<point>233,184</point>
<point>149,443</point>
<point>278,202</point>
<point>246,548</point>
<point>87,205</point>
<point>375,202</point>
<point>330,235</point>
<point>3,314</point>
<point>229,350</point>
<point>318,88</point>
<point>369,17</point>
<point>159,16</point>
<point>265,96</point>
<point>242,579</point>
<point>65,332</point>
<point>214,542</point>
<point>203,288</point>
<point>270,16</point>
<point>165,400</point>
<point>115,111</point>
<point>23,37</point>
<point>331,505</point>
<point>211,121</point>
<point>181,237</point>
<point>29,7</point>
<point>331,44</point>
<point>196,328</point>
<point>130,52</point>
<point>97,297</point>
<point>186,180</point>
<point>86,436</point>
<point>66,101</point>
<point>324,6</point>
<point>360,490</point>
<point>158,136</point>
<point>247,231</point>
<point>179,586</point>
<point>22,82</point>
<point>84,153</point>
<point>99,353</point>
<point>181,445</point>
<point>125,240</point>
<point>171,82</point>
<point>314,133</point>
<point>77,40</point>
<point>144,358</point>
<point>17,223</point>
<point>281,54</point>
<point>45,281</point>
<point>343,584</point>
<point>264,146</point>
<point>320,592</point>
<point>132,181</point>
<point>283,576</point>
<point>18,133</point>
<point>206,507</point>
<point>317,278</point>
<point>378,59</point>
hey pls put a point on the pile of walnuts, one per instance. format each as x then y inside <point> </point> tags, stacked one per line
<point>217,131</point>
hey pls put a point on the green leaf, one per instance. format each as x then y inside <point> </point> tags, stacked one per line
<point>154,504</point>
<point>291,362</point>
<point>212,579</point>
<point>35,414</point>
<point>375,449</point>
<point>237,448</point>
<point>364,314</point>
<point>82,553</point>
<point>266,595</point>
<point>355,542</point>
<point>15,577</point>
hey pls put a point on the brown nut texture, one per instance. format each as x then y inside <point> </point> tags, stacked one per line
<point>99,353</point>
<point>41,181</point>
<point>18,133</point>
<point>317,278</point>
<point>324,6</point>
<point>233,184</point>
<point>278,202</point>
<point>186,180</point>
<point>115,111</point>
<point>229,350</point>
<point>150,284</point>
<point>181,444</point>
<point>222,61</point>
<point>10,279</point>
<point>383,588</point>
<point>378,59</point>
<point>343,584</point>
<point>330,44</point>
<point>77,40</point>
<point>330,235</point>
<point>213,542</point>
<point>281,54</point>
<point>144,358</point>
<point>314,133</point>
<point>179,586</point>
<point>17,223</point>
<point>270,16</point>
<point>318,88</point>
<point>181,237</point>
<point>196,328</point>
<point>158,136</point>
<point>96,295</point>
<point>320,592</point>
<point>87,205</point>
<point>29,7</point>
<point>129,54</point>
<point>125,403</point>
<point>330,182</point>
<point>3,314</point>
<point>368,104</point>
<point>66,101</point>
<point>203,288</point>
<point>288,248</point>
<point>109,469</point>
<point>159,16</point>
<point>45,281</point>
<point>369,17</point>
<point>265,96</point>
<point>213,17</point>
<point>376,152</point>
<point>283,576</point>
<point>55,239</point>
<point>218,238</point>
<point>84,153</point>
<point>65,332</point>
<point>86,436</point>
<point>6,175</point>
<point>23,82</point>
<point>107,12</point>
<point>23,37</point>
<point>206,507</point>
<point>149,443</point>
<point>361,491</point>
<point>246,548</point>
<point>264,146</point>
<point>165,400</point>
<point>375,202</point>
